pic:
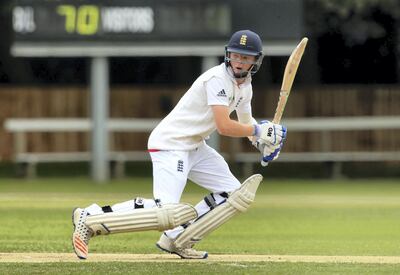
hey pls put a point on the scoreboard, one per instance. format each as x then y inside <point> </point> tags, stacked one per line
<point>120,20</point>
<point>106,24</point>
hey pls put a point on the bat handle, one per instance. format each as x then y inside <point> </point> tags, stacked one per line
<point>276,120</point>
<point>281,106</point>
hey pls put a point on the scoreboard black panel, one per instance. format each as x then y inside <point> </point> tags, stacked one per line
<point>120,20</point>
<point>124,22</point>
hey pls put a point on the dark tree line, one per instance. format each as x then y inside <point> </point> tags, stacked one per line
<point>357,40</point>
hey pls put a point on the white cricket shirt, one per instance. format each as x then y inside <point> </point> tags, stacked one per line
<point>192,120</point>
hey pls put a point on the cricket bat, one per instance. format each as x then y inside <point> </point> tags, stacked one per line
<point>288,78</point>
<point>287,82</point>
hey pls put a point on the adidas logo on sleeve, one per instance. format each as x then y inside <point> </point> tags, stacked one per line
<point>222,93</point>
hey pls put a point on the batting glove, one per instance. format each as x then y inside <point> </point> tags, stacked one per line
<point>270,133</point>
<point>268,152</point>
<point>271,146</point>
<point>272,156</point>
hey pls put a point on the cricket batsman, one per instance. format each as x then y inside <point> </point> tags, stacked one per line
<point>179,152</point>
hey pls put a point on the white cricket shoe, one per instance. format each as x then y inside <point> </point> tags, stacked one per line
<point>166,244</point>
<point>82,234</point>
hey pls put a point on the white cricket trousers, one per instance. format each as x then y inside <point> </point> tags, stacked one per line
<point>204,166</point>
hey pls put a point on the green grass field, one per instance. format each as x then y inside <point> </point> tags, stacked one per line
<point>308,217</point>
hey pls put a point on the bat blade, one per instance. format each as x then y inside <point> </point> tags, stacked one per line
<point>288,78</point>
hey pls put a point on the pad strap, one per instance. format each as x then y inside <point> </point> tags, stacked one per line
<point>210,201</point>
<point>106,209</point>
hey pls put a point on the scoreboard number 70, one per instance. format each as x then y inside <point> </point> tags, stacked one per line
<point>83,20</point>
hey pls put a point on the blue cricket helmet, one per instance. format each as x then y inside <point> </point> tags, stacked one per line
<point>248,43</point>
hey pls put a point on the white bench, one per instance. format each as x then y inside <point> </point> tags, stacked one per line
<point>19,127</point>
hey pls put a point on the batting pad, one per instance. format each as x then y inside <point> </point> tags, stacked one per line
<point>161,218</point>
<point>238,201</point>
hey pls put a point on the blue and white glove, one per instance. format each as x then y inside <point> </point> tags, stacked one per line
<point>269,153</point>
<point>272,156</point>
<point>270,148</point>
<point>270,133</point>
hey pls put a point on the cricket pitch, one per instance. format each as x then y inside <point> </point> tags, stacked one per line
<point>96,257</point>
